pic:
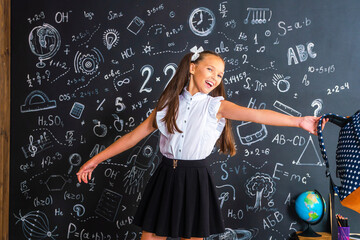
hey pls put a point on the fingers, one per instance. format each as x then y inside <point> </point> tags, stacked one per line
<point>79,174</point>
<point>323,123</point>
<point>84,177</point>
<point>78,177</point>
<point>85,172</point>
<point>314,132</point>
<point>82,174</point>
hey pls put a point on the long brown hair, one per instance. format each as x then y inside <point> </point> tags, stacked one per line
<point>170,98</point>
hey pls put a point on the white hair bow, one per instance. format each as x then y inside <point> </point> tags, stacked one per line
<point>196,52</point>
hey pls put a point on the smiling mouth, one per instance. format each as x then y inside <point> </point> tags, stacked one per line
<point>210,84</point>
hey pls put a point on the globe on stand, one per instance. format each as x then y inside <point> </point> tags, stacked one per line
<point>310,207</point>
<point>44,42</point>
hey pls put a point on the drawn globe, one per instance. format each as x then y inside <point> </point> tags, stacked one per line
<point>310,206</point>
<point>44,42</point>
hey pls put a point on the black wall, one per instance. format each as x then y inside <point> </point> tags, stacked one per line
<point>75,91</point>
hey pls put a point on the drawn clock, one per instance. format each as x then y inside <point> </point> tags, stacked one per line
<point>202,21</point>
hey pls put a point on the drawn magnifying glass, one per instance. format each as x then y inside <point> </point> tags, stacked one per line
<point>74,160</point>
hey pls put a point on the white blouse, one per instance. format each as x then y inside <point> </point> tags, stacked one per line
<point>198,122</point>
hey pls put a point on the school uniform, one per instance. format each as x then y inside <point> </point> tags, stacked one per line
<point>180,198</point>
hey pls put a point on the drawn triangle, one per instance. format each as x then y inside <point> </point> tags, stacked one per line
<point>307,155</point>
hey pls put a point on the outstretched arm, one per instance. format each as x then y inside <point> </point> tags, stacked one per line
<point>232,111</point>
<point>122,144</point>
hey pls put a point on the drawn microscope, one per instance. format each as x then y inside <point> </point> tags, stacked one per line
<point>250,132</point>
<point>143,157</point>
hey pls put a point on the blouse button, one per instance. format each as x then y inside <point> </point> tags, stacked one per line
<point>179,150</point>
<point>182,135</point>
<point>188,108</point>
<point>184,121</point>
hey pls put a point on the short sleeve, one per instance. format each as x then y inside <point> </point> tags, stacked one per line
<point>214,106</point>
<point>161,124</point>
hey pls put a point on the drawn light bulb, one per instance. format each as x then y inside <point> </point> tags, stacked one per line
<point>111,38</point>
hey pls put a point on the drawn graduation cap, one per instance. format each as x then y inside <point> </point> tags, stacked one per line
<point>37,101</point>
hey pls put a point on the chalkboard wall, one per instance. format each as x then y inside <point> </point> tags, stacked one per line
<point>85,73</point>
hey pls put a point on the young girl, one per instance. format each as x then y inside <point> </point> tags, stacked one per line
<point>180,198</point>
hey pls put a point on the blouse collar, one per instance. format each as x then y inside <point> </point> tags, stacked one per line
<point>197,96</point>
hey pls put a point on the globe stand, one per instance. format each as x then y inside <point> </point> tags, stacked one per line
<point>309,232</point>
<point>40,64</point>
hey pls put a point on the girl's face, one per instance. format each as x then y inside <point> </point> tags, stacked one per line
<point>206,75</point>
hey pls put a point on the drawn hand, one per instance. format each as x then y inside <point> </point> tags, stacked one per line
<point>85,171</point>
<point>309,123</point>
<point>201,18</point>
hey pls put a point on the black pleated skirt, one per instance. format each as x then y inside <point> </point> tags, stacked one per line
<point>180,201</point>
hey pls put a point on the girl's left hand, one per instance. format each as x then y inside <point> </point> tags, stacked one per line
<point>309,123</point>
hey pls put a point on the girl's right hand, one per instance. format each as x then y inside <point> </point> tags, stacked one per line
<point>85,171</point>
